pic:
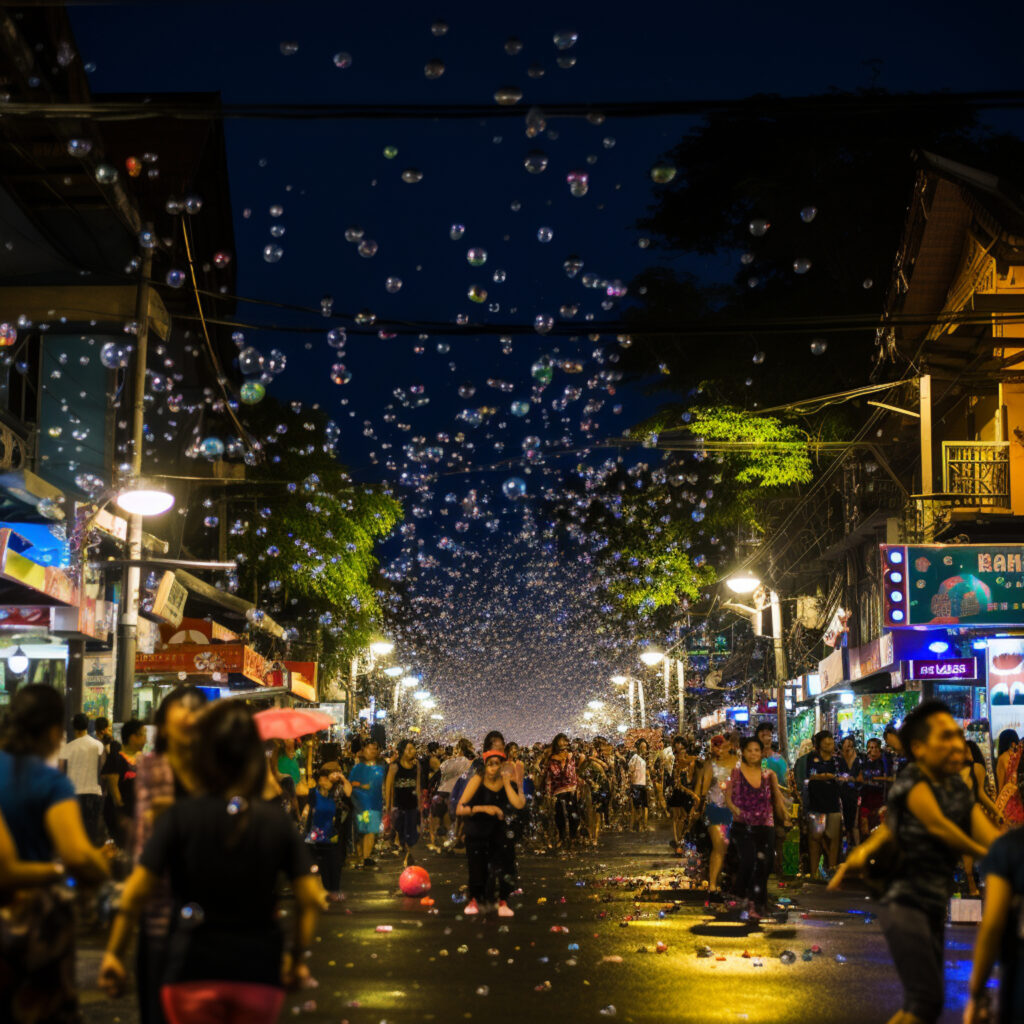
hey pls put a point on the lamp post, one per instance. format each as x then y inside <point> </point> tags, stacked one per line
<point>746,583</point>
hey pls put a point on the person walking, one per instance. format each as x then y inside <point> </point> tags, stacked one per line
<point>561,783</point>
<point>81,760</point>
<point>41,810</point>
<point>323,821</point>
<point>639,796</point>
<point>162,776</point>
<point>717,771</point>
<point>367,779</point>
<point>119,774</point>
<point>931,820</point>
<point>402,798</point>
<point>824,811</point>
<point>850,765</point>
<point>223,851</point>
<point>486,805</point>
<point>999,935</point>
<point>752,794</point>
<point>682,796</point>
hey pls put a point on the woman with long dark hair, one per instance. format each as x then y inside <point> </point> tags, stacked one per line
<point>163,776</point>
<point>223,851</point>
<point>561,783</point>
<point>42,813</point>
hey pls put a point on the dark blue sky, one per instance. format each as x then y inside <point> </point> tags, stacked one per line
<point>330,175</point>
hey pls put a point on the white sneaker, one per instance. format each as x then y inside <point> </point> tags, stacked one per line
<point>471,909</point>
<point>504,910</point>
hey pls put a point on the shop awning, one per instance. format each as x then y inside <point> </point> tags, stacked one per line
<point>204,660</point>
<point>47,584</point>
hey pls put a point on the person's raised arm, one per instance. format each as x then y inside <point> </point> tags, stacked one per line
<point>982,829</point>
<point>922,805</point>
<point>346,786</point>
<point>515,798</point>
<point>858,857</point>
<point>998,898</point>
<point>63,823</point>
<point>780,806</point>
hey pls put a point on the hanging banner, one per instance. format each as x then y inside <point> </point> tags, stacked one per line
<point>44,579</point>
<point>202,659</point>
<point>98,674</point>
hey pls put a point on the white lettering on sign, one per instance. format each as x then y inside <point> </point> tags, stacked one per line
<point>987,562</point>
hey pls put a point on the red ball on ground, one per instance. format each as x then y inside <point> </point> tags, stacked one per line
<point>414,881</point>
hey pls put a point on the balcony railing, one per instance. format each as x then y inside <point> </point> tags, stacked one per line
<point>976,474</point>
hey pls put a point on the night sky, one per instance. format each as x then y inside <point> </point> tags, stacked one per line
<point>504,630</point>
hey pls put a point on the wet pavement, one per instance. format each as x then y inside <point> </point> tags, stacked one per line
<point>584,945</point>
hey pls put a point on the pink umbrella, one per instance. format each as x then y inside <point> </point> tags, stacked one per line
<point>290,723</point>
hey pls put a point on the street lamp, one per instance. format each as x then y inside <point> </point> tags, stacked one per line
<point>381,648</point>
<point>634,686</point>
<point>393,671</point>
<point>18,662</point>
<point>140,497</point>
<point>652,656</point>
<point>595,705</point>
<point>742,582</point>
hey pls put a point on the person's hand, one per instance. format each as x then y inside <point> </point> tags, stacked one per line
<point>112,978</point>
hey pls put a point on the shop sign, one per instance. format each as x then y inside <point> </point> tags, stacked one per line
<point>953,669</point>
<point>169,603</point>
<point>1006,684</point>
<point>302,679</point>
<point>811,685</point>
<point>832,670</point>
<point>203,659</point>
<point>18,617</point>
<point>871,657</point>
<point>44,579</point>
<point>953,584</point>
<point>98,672</point>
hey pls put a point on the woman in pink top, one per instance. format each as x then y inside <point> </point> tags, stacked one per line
<point>750,794</point>
<point>560,784</point>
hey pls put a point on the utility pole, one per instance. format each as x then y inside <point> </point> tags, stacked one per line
<point>780,669</point>
<point>124,683</point>
<point>681,682</point>
<point>927,478</point>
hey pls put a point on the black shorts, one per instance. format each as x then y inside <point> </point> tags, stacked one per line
<point>439,805</point>
<point>677,798</point>
<point>638,794</point>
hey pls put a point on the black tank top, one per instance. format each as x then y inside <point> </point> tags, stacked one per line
<point>406,795</point>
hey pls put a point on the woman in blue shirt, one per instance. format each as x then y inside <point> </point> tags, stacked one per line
<point>323,818</point>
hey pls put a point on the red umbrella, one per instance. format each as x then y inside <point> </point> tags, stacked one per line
<point>290,723</point>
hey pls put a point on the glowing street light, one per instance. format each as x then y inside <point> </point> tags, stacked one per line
<point>408,681</point>
<point>421,695</point>
<point>143,498</point>
<point>742,582</point>
<point>652,656</point>
<point>381,648</point>
<point>394,671</point>
<point>620,680</point>
<point>595,705</point>
<point>18,662</point>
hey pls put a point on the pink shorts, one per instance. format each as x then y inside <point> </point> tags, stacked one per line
<point>221,1002</point>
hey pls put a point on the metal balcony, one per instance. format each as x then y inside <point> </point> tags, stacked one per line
<point>976,474</point>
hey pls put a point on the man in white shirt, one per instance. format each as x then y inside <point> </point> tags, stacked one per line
<point>81,760</point>
<point>637,771</point>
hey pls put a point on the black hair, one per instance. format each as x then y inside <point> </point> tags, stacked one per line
<point>976,755</point>
<point>1006,740</point>
<point>80,723</point>
<point>647,745</point>
<point>890,728</point>
<point>873,739</point>
<point>433,747</point>
<point>402,744</point>
<point>179,695</point>
<point>491,737</point>
<point>102,724</point>
<point>917,724</point>
<point>130,728</point>
<point>775,746</point>
<point>819,736</point>
<point>678,739</point>
<point>747,740</point>
<point>765,725</point>
<point>554,742</point>
<point>229,752</point>
<point>34,711</point>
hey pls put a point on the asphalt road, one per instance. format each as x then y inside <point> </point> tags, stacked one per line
<point>582,947</point>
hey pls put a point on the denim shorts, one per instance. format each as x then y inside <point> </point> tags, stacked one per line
<point>715,815</point>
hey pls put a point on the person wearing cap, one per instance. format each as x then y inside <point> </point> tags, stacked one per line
<point>486,807</point>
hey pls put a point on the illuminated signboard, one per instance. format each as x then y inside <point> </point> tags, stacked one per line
<point>952,669</point>
<point>953,584</point>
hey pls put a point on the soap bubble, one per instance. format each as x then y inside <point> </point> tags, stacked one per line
<point>367,248</point>
<point>272,253</point>
<point>49,508</point>
<point>252,392</point>
<point>354,233</point>
<point>433,68</point>
<point>514,488</point>
<point>466,391</point>
<point>801,265</point>
<point>545,234</point>
<point>439,28</point>
<point>808,213</point>
<point>211,447</point>
<point>578,182</point>
<point>476,257</point>
<point>572,266</point>
<point>456,231</point>
<point>476,293</point>
<point>393,285</point>
<point>536,161</point>
<point>343,60</point>
<point>192,204</point>
<point>867,283</point>
<point>390,152</point>
<point>565,40</point>
<point>250,361</point>
<point>508,95</point>
<point>175,278</point>
<point>411,175</point>
<point>79,147</point>
<point>192,916</point>
<point>520,408</point>
<point>114,356</point>
<point>543,322</point>
<point>105,174</point>
<point>513,46</point>
<point>758,227</point>
<point>662,174</point>
<point>340,374</point>
<point>289,48</point>
<point>221,258</point>
<point>542,372</point>
<point>818,346</point>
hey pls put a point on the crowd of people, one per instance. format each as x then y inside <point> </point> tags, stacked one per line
<point>202,829</point>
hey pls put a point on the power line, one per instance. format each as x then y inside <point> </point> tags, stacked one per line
<point>860,104</point>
